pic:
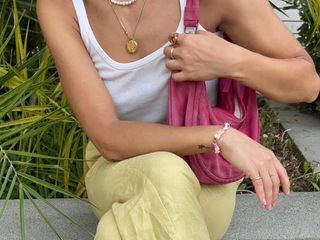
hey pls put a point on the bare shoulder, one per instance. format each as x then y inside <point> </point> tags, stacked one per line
<point>55,7</point>
<point>56,12</point>
<point>233,8</point>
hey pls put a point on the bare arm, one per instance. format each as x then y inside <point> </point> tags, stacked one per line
<point>280,61</point>
<point>267,57</point>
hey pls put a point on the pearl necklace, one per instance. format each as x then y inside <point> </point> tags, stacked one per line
<point>122,3</point>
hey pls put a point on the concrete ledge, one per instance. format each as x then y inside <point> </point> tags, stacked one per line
<point>37,229</point>
<point>295,217</point>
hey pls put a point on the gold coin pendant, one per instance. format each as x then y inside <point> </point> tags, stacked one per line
<point>132,46</point>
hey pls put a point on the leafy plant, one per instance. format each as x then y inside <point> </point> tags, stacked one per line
<point>41,142</point>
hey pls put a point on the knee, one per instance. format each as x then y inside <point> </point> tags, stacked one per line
<point>218,203</point>
<point>107,228</point>
<point>170,170</point>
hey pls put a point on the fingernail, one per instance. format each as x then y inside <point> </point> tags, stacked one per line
<point>264,201</point>
<point>269,207</point>
<point>274,204</point>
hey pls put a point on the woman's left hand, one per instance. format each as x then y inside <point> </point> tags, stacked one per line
<point>256,162</point>
<point>202,56</point>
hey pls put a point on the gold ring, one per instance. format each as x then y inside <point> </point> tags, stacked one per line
<point>257,178</point>
<point>173,38</point>
<point>171,54</point>
<point>273,174</point>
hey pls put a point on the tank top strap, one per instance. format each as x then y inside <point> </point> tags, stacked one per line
<point>83,21</point>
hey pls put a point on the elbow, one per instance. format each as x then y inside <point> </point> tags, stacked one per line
<point>309,85</point>
<point>312,90</point>
<point>108,150</point>
<point>312,98</point>
<point>111,155</point>
<point>108,143</point>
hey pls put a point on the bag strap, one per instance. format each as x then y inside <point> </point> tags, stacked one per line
<point>191,16</point>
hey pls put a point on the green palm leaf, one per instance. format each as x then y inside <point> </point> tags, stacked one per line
<point>39,135</point>
<point>22,218</point>
<point>38,196</point>
<point>8,196</point>
<point>6,180</point>
<point>50,186</point>
<point>43,216</point>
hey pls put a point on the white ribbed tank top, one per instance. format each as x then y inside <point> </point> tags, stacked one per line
<point>139,89</point>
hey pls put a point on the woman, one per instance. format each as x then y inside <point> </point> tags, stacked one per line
<point>114,61</point>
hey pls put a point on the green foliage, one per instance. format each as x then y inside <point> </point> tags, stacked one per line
<point>311,176</point>
<point>309,37</point>
<point>29,27</point>
<point>41,143</point>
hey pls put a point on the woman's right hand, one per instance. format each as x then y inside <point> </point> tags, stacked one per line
<point>203,56</point>
<point>258,163</point>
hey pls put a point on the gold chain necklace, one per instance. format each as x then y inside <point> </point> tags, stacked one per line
<point>132,45</point>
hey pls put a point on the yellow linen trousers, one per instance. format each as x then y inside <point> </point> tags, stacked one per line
<point>156,196</point>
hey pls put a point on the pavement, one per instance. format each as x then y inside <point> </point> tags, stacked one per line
<point>37,229</point>
<point>295,217</point>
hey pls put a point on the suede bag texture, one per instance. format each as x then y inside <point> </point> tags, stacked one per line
<point>189,105</point>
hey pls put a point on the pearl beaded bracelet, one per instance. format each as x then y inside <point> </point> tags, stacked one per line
<point>218,135</point>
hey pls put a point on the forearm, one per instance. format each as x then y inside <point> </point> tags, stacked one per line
<point>282,80</point>
<point>124,139</point>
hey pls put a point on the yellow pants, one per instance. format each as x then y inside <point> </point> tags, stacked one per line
<point>156,196</point>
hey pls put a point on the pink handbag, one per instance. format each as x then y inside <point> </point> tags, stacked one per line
<point>189,106</point>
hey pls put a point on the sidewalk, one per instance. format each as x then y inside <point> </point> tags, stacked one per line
<point>295,217</point>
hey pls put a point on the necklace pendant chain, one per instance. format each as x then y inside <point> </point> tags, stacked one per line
<point>131,45</point>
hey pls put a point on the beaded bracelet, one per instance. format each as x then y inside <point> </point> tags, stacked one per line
<point>218,135</point>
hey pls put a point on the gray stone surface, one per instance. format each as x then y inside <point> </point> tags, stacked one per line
<point>303,129</point>
<point>37,229</point>
<point>294,217</point>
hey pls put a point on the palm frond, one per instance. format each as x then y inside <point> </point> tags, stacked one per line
<point>41,142</point>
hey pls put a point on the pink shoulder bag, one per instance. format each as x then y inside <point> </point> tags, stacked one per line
<point>189,106</point>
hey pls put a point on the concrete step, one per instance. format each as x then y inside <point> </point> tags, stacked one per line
<point>295,217</point>
<point>37,229</point>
